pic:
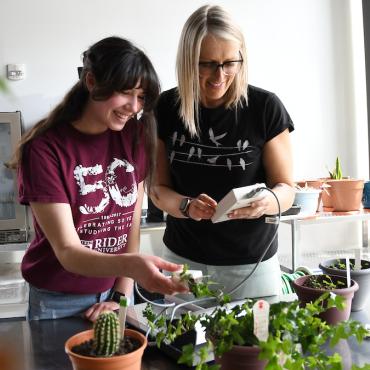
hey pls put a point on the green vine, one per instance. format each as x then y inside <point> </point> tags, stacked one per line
<point>296,340</point>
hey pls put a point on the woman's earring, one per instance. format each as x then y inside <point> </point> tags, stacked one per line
<point>139,115</point>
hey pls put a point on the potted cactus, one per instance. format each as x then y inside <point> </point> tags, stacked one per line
<point>308,199</point>
<point>312,185</point>
<point>104,346</point>
<point>294,338</point>
<point>342,193</point>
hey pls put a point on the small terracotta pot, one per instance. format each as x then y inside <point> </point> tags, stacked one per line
<point>333,315</point>
<point>129,361</point>
<point>345,194</point>
<point>241,358</point>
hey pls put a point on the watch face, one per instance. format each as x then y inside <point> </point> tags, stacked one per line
<point>184,204</point>
<point>116,296</point>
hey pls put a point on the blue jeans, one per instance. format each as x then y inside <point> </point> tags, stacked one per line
<point>46,304</point>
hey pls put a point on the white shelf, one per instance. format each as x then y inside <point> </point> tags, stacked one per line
<point>297,221</point>
<point>324,217</point>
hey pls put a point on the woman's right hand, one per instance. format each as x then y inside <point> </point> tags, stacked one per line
<point>202,207</point>
<point>145,269</point>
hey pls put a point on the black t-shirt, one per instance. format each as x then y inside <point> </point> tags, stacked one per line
<point>227,154</point>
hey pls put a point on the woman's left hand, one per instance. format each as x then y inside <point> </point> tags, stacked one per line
<point>93,312</point>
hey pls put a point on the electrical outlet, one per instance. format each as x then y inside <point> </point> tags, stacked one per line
<point>16,72</point>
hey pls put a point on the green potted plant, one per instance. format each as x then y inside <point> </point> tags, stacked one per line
<point>342,193</point>
<point>308,198</point>
<point>361,276</point>
<point>103,348</point>
<point>295,339</point>
<point>310,287</point>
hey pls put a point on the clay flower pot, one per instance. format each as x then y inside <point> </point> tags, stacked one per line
<point>241,358</point>
<point>362,277</point>
<point>325,195</point>
<point>129,361</point>
<point>345,194</point>
<point>333,315</point>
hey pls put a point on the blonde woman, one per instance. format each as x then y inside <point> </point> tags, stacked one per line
<point>217,133</point>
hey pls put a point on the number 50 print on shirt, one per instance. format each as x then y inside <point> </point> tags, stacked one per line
<point>111,191</point>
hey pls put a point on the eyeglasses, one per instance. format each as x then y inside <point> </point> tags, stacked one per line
<point>230,67</point>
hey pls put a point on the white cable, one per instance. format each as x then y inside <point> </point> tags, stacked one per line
<point>165,305</point>
<point>184,304</point>
<point>176,307</point>
<point>266,249</point>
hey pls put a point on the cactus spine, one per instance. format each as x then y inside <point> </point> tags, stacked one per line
<point>107,334</point>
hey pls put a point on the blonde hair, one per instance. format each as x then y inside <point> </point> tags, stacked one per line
<point>208,19</point>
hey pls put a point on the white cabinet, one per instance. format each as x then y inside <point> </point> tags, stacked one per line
<point>13,288</point>
<point>151,239</point>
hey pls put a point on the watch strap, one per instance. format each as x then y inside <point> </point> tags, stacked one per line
<point>184,206</point>
<point>115,296</point>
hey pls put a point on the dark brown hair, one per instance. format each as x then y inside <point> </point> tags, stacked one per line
<point>116,65</point>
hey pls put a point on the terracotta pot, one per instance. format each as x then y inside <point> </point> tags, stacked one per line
<point>362,277</point>
<point>333,315</point>
<point>130,361</point>
<point>325,195</point>
<point>315,184</point>
<point>326,199</point>
<point>345,194</point>
<point>241,358</point>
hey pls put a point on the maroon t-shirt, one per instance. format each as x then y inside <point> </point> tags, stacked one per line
<point>98,176</point>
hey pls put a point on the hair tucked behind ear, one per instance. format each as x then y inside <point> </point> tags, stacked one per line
<point>117,65</point>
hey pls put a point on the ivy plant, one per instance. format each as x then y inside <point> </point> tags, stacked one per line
<point>200,288</point>
<point>297,338</point>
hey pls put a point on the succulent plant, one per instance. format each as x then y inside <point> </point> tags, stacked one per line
<point>107,334</point>
<point>336,174</point>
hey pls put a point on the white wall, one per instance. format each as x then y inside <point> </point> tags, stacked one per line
<point>309,52</point>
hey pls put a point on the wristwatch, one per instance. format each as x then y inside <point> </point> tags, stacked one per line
<point>184,206</point>
<point>115,296</point>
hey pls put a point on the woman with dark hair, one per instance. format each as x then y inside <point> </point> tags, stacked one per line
<point>82,170</point>
<point>218,133</point>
